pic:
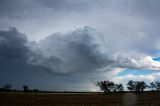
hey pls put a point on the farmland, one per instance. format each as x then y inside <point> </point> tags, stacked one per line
<point>80,99</point>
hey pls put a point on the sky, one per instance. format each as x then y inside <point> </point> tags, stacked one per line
<point>70,44</point>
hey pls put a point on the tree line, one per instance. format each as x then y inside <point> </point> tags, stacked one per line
<point>25,88</point>
<point>106,86</point>
<point>137,86</point>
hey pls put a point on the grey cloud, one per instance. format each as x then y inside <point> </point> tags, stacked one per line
<point>146,8</point>
<point>128,26</point>
<point>84,51</point>
<point>22,9</point>
<point>64,56</point>
<point>81,51</point>
<point>13,44</point>
<point>13,9</point>
<point>65,4</point>
<point>14,69</point>
<point>77,51</point>
<point>120,19</point>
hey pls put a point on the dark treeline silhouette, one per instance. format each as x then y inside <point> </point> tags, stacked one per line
<point>105,86</point>
<point>136,86</point>
<point>8,88</point>
<point>26,89</point>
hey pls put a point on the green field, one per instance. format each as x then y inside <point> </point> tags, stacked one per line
<point>80,99</point>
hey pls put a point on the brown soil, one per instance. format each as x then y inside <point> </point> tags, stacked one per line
<point>80,99</point>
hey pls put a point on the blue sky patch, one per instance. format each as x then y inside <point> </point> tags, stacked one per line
<point>137,72</point>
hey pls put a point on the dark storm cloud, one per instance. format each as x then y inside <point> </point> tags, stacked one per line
<point>64,56</point>
<point>14,69</point>
<point>83,51</point>
<point>128,18</point>
<point>13,44</point>
<point>128,26</point>
<point>77,51</point>
<point>13,55</point>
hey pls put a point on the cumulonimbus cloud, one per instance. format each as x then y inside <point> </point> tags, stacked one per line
<point>79,51</point>
<point>83,50</point>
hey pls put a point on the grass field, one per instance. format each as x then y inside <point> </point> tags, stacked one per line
<point>80,99</point>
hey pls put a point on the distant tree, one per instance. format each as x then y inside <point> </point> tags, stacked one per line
<point>105,86</point>
<point>136,85</point>
<point>131,85</point>
<point>25,88</point>
<point>119,87</point>
<point>7,87</point>
<point>155,85</point>
<point>109,86</point>
<point>141,85</point>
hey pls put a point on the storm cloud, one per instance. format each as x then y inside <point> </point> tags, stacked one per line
<point>13,44</point>
<point>85,50</point>
<point>50,37</point>
<point>82,50</point>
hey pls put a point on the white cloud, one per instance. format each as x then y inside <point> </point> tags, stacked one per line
<point>147,78</point>
<point>142,63</point>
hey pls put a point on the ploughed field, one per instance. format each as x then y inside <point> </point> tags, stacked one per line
<point>80,99</point>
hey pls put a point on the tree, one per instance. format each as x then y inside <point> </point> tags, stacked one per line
<point>141,86</point>
<point>105,86</point>
<point>155,85</point>
<point>25,88</point>
<point>136,85</point>
<point>119,87</point>
<point>109,86</point>
<point>131,85</point>
<point>7,87</point>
